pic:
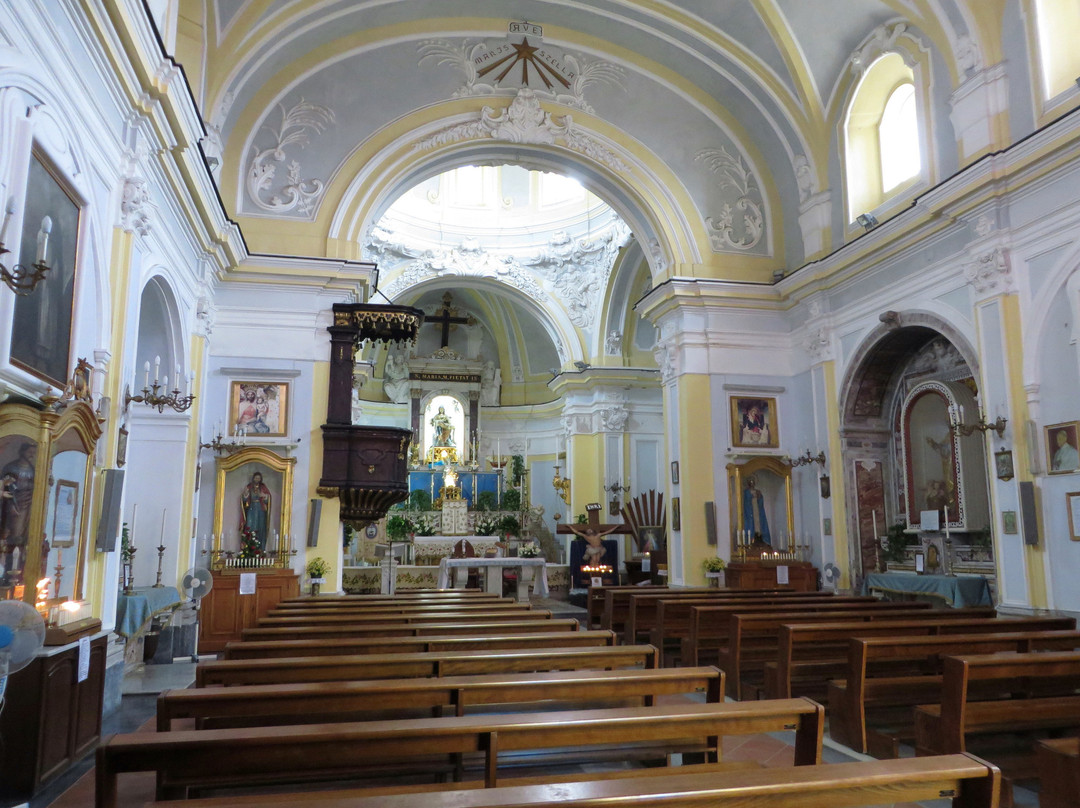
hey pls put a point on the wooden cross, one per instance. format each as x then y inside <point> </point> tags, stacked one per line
<point>593,510</point>
<point>446,319</point>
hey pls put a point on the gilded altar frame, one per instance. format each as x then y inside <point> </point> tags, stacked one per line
<point>74,429</point>
<point>233,472</point>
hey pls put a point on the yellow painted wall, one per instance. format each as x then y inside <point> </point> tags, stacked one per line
<point>696,478</point>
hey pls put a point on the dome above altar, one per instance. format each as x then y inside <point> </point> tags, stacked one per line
<point>503,209</point>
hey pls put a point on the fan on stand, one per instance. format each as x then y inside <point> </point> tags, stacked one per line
<point>831,574</point>
<point>22,633</point>
<point>197,583</point>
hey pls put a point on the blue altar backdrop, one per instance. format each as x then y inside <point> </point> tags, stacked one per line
<point>471,482</point>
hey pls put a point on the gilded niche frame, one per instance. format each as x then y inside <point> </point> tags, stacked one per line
<point>772,477</point>
<point>236,471</point>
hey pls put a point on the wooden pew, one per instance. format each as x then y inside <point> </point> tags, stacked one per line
<point>873,689</point>
<point>1051,679</point>
<point>278,649</point>
<point>641,607</point>
<point>391,609</point>
<point>266,755</point>
<point>617,602</point>
<point>455,616</point>
<point>1058,762</point>
<point>809,654</point>
<point>709,625</point>
<point>432,663</point>
<point>753,639</point>
<point>425,629</point>
<point>970,782</point>
<point>324,702</point>
<point>318,605</point>
<point>446,595</point>
<point>665,622</point>
<point>594,601</point>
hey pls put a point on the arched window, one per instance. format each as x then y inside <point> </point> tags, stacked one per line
<point>1059,59</point>
<point>898,134</point>
<point>883,152</point>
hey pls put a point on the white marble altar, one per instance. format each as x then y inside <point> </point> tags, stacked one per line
<point>532,570</point>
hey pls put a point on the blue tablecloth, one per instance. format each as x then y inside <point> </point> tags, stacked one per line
<point>134,612</point>
<point>956,590</point>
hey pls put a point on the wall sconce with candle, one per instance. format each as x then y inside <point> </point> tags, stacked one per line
<point>158,395</point>
<point>20,279</point>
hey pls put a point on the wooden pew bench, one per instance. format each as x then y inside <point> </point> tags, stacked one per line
<point>642,607</point>
<point>279,649</point>
<point>434,663</point>
<point>325,702</point>
<point>872,708</point>
<point>400,607</point>
<point>594,601</point>
<point>968,781</point>
<point>669,623</point>
<point>389,613</point>
<point>329,752</point>
<point>811,653</point>
<point>710,626</point>
<point>1058,763</point>
<point>381,629</point>
<point>337,601</point>
<point>1045,690</point>
<point>617,602</point>
<point>455,616</point>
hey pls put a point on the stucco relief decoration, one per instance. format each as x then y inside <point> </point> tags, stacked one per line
<point>525,121</point>
<point>990,272</point>
<point>565,77</point>
<point>804,177</point>
<point>968,56</point>
<point>741,223</point>
<point>882,40</point>
<point>579,269</point>
<point>613,343</point>
<point>297,193</point>
<point>817,343</point>
<point>135,206</point>
<point>664,351</point>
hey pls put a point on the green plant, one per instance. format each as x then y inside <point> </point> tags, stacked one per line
<point>896,542</point>
<point>398,527</point>
<point>530,550</point>
<point>713,564</point>
<point>422,526</point>
<point>348,534</point>
<point>509,525</point>
<point>318,567</point>
<point>126,553</point>
<point>517,470</point>
<point>485,501</point>
<point>980,538</point>
<point>420,500</point>
<point>582,519</point>
<point>511,500</point>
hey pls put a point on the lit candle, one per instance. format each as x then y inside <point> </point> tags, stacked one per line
<point>146,382</point>
<point>157,367</point>
<point>43,239</point>
<point>165,383</point>
<point>177,377</point>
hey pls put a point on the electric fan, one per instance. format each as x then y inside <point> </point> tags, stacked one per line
<point>197,583</point>
<point>22,633</point>
<point>831,574</point>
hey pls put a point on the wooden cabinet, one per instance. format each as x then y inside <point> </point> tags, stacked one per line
<point>802,575</point>
<point>226,613</point>
<point>50,719</point>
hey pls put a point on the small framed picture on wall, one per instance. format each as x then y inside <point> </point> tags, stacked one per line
<point>261,409</point>
<point>1062,443</point>
<point>674,472</point>
<point>753,423</point>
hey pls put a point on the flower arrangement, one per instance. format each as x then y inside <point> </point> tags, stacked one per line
<point>398,527</point>
<point>249,544</point>
<point>714,564</point>
<point>530,550</point>
<point>317,567</point>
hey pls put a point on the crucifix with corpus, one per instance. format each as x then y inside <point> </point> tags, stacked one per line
<point>593,532</point>
<point>446,317</point>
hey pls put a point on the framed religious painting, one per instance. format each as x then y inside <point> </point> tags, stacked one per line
<point>41,322</point>
<point>754,423</point>
<point>1062,444</point>
<point>260,409</point>
<point>65,513</point>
